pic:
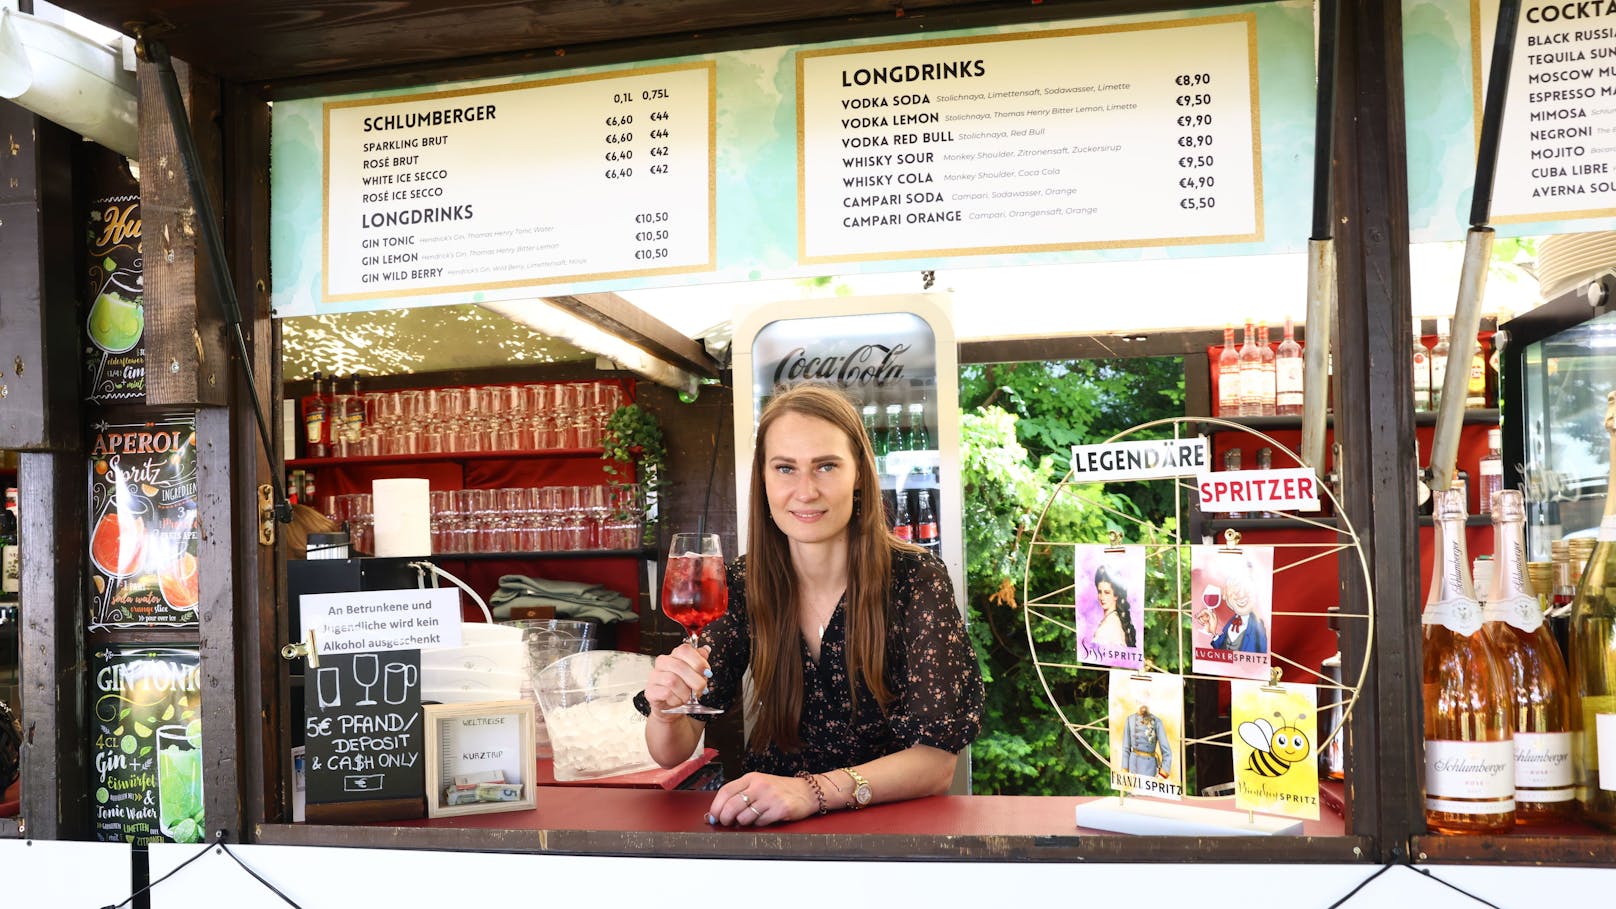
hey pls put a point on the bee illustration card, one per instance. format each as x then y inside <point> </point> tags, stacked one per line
<point>1276,736</point>
<point>1110,598</point>
<point>143,526</point>
<point>1231,609</point>
<point>1147,733</point>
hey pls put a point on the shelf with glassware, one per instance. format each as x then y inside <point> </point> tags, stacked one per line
<point>518,485</point>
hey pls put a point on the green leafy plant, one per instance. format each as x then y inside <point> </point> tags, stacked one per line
<point>633,441</point>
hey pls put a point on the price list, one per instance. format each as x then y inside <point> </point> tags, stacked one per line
<point>1557,142</point>
<point>1143,134</point>
<point>585,178</point>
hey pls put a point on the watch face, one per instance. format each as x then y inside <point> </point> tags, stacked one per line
<point>862,794</point>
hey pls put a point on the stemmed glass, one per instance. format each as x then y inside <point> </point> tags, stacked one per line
<point>694,593</point>
<point>1211,599</point>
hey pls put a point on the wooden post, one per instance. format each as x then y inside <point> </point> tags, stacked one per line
<point>187,354</point>
<point>1375,425</point>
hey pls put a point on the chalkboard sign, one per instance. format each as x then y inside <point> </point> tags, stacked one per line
<point>362,729</point>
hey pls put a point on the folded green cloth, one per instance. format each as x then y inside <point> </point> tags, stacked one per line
<point>570,599</point>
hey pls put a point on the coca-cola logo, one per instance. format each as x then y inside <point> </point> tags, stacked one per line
<point>868,365</point>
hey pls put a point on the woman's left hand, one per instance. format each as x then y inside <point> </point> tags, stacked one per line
<point>759,799</point>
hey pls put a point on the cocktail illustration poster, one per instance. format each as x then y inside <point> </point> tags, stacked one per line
<point>1231,610</point>
<point>1147,733</point>
<point>113,291</point>
<point>143,527</point>
<point>1276,738</point>
<point>1109,590</point>
<point>148,745</point>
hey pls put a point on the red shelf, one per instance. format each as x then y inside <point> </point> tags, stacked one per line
<point>360,460</point>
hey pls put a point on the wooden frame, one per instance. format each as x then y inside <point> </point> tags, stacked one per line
<point>517,717</point>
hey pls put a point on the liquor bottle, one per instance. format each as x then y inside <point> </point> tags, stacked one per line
<point>1231,461</point>
<point>1439,363</point>
<point>1422,371</point>
<point>353,416</point>
<point>1228,376</point>
<point>919,435</point>
<point>1542,723</point>
<point>1288,370</point>
<point>903,527</point>
<point>1476,388</point>
<point>1491,469</point>
<point>316,427</point>
<point>10,563</point>
<point>1265,461</point>
<point>1469,759</point>
<point>1267,390</point>
<point>1251,374</point>
<point>1593,660</point>
<point>1562,594</point>
<point>926,523</point>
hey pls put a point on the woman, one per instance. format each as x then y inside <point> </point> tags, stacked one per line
<point>866,686</point>
<point>1115,628</point>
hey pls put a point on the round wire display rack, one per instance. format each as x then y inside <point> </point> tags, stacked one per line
<point>1052,615</point>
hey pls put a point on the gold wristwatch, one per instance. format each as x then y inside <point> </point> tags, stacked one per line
<point>862,795</point>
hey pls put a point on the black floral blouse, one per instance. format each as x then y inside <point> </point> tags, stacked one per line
<point>931,671</point>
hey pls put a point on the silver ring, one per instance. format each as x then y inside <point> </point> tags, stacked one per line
<point>755,811</point>
<point>745,799</point>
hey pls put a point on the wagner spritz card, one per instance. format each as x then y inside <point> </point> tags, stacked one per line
<point>1231,609</point>
<point>1147,733</point>
<point>143,527</point>
<point>1109,591</point>
<point>1276,735</point>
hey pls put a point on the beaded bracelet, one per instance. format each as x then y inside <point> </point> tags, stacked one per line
<point>818,792</point>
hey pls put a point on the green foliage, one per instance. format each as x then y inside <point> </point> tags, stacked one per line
<point>633,439</point>
<point>1012,465</point>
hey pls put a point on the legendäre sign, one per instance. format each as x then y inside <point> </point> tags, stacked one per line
<point>1152,459</point>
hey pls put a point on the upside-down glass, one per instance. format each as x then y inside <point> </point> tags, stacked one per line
<point>694,593</point>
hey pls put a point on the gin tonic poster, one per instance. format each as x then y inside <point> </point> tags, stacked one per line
<point>1147,733</point>
<point>1109,588</point>
<point>1231,588</point>
<point>148,745</point>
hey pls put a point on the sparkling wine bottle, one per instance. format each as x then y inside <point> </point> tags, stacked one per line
<point>1542,721</point>
<point>1593,659</point>
<point>1422,371</point>
<point>1439,363</point>
<point>1469,758</point>
<point>1228,376</point>
<point>1251,374</point>
<point>1266,392</point>
<point>1288,370</point>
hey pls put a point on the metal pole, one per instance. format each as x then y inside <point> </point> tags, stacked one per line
<point>1321,302</point>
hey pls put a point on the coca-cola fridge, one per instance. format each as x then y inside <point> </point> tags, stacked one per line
<point>895,357</point>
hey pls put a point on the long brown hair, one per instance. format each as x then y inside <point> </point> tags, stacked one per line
<point>771,583</point>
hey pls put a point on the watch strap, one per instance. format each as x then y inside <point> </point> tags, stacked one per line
<point>861,786</point>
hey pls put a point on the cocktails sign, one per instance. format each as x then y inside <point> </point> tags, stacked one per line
<point>143,526</point>
<point>147,748</point>
<point>114,351</point>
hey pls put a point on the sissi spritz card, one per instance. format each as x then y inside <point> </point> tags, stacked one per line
<point>1231,609</point>
<point>1147,733</point>
<point>1110,601</point>
<point>1276,735</point>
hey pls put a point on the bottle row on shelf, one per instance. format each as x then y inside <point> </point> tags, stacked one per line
<point>1519,700</point>
<point>1262,379</point>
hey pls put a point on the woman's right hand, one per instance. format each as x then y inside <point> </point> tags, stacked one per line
<point>677,677</point>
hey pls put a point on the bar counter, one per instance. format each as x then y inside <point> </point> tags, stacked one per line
<point>592,820</point>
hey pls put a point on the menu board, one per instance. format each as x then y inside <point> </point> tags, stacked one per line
<point>1129,135</point>
<point>363,738</point>
<point>1557,142</point>
<point>148,745</point>
<point>115,326</point>
<point>143,522</point>
<point>616,181</point>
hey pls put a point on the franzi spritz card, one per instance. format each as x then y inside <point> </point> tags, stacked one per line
<point>1231,610</point>
<point>148,745</point>
<point>1147,733</point>
<point>143,527</point>
<point>1109,592</point>
<point>1276,734</point>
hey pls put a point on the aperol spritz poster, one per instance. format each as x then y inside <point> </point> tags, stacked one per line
<point>143,526</point>
<point>148,744</point>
